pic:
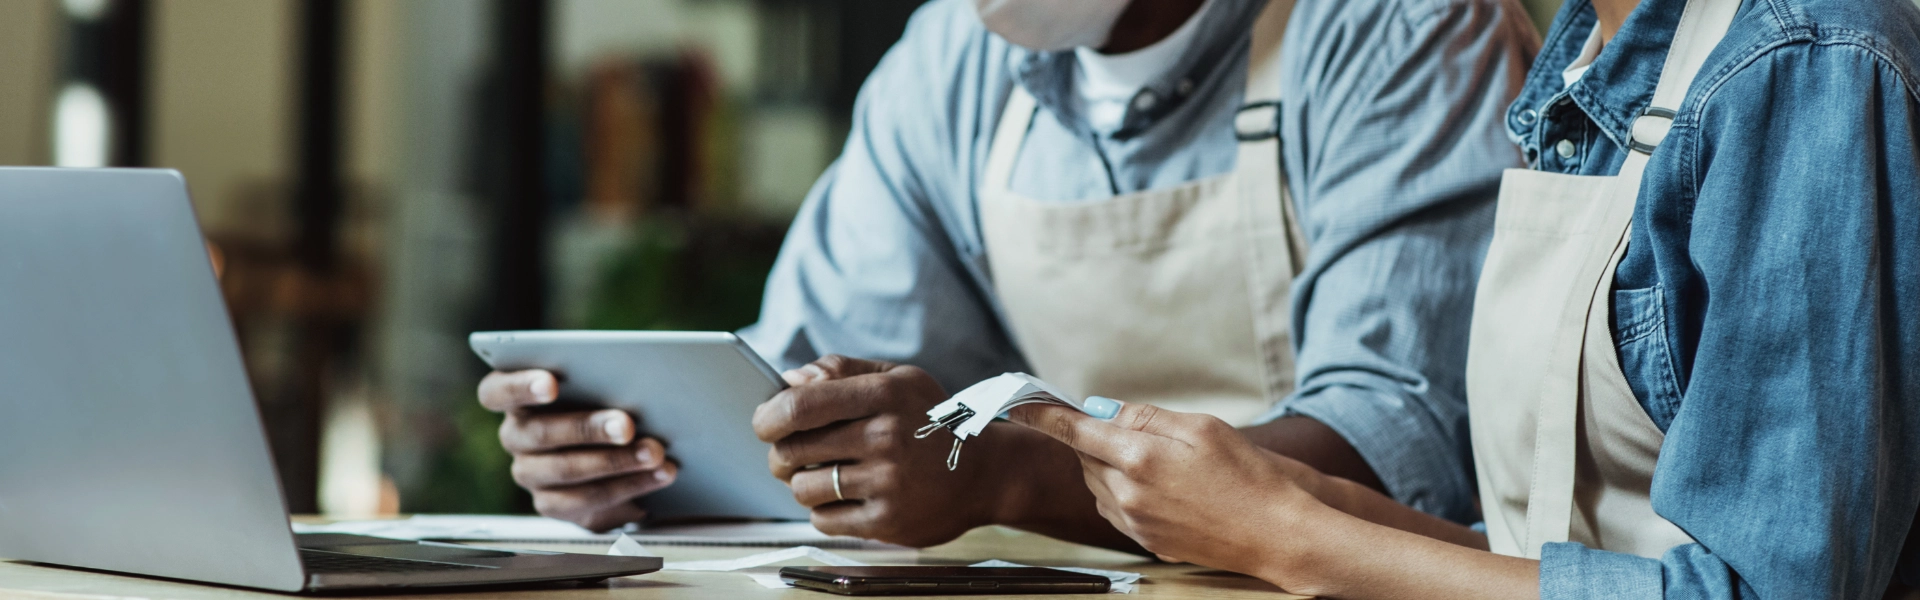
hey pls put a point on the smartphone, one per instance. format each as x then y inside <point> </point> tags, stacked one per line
<point>883,581</point>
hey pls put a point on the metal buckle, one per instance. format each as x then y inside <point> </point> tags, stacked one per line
<point>1634,131</point>
<point>1273,124</point>
<point>949,421</point>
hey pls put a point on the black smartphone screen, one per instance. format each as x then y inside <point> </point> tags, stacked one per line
<point>875,581</point>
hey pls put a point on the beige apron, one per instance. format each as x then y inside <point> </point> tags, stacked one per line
<point>1176,297</point>
<point>1562,449</point>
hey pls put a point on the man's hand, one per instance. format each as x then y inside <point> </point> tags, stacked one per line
<point>582,466</point>
<point>861,415</point>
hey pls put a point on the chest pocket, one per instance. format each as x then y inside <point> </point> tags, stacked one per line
<point>1646,354</point>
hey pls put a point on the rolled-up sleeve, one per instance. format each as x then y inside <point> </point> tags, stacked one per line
<point>1394,160</point>
<point>1791,457</point>
<point>873,265</point>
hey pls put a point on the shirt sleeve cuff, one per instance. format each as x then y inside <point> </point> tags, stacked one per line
<point>1570,571</point>
<point>1421,462</point>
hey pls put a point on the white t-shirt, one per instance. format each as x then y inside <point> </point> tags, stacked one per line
<point>1107,83</point>
<point>1578,68</point>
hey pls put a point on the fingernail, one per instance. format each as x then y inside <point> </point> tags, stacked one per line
<point>645,455</point>
<point>1101,407</point>
<point>813,373</point>
<point>661,475</point>
<point>615,426</point>
<point>542,389</point>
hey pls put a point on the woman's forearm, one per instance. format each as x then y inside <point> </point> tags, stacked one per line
<point>1372,506</point>
<point>1339,555</point>
<point>1351,485</point>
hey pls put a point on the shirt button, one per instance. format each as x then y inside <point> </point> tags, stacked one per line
<point>1529,116</point>
<point>1564,148</point>
<point>1185,87</point>
<point>1144,101</point>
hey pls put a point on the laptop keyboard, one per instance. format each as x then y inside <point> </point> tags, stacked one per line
<point>334,562</point>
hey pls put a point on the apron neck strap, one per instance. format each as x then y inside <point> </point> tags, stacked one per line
<point>1263,55</point>
<point>1703,23</point>
<point>1007,137</point>
<point>1262,99</point>
<point>1259,116</point>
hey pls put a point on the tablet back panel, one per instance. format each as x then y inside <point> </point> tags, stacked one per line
<point>129,439</point>
<point>694,390</point>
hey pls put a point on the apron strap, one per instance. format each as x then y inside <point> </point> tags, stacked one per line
<point>1703,23</point>
<point>1263,56</point>
<point>1277,247</point>
<point>1550,501</point>
<point>1014,121</point>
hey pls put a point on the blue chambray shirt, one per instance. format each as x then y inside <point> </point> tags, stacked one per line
<point>1767,312</point>
<point>1394,144</point>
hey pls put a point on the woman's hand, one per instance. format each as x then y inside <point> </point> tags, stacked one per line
<point>1187,487</point>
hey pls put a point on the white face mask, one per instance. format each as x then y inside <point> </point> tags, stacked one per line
<point>1051,24</point>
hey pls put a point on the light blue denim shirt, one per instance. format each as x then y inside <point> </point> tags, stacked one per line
<point>1767,312</point>
<point>1393,146</point>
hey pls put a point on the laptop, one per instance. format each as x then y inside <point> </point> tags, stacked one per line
<point>129,439</point>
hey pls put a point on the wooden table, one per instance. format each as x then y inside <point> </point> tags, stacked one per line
<point>41,582</point>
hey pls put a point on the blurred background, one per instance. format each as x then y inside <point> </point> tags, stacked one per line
<point>380,177</point>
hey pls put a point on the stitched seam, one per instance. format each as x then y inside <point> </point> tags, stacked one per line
<point>1665,352</point>
<point>1759,50</point>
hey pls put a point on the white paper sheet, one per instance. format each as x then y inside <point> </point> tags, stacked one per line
<point>1123,582</point>
<point>625,546</point>
<point>765,558</point>
<point>755,566</point>
<point>990,398</point>
<point>767,578</point>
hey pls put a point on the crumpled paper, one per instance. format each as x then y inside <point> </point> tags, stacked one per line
<point>752,566</point>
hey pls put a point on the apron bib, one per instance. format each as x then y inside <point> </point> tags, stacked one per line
<point>1562,448</point>
<point>1176,297</point>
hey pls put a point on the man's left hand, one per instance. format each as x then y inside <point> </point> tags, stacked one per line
<point>859,416</point>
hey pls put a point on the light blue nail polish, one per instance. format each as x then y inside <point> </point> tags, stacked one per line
<point>1101,407</point>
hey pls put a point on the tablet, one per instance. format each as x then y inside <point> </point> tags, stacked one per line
<point>694,390</point>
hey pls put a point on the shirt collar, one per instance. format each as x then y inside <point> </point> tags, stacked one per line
<point>1222,30</point>
<point>1619,82</point>
<point>1579,65</point>
<point>1109,83</point>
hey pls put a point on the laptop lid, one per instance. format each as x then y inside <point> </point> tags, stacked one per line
<point>129,439</point>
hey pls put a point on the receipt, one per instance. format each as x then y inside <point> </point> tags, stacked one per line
<point>625,546</point>
<point>989,399</point>
<point>1122,581</point>
<point>967,413</point>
